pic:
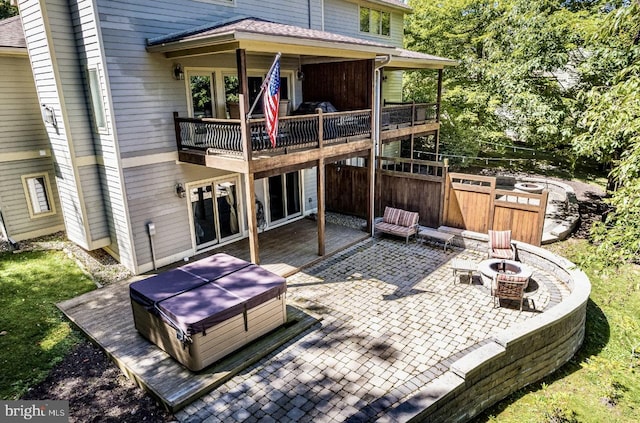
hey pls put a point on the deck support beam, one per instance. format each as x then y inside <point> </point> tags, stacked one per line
<point>438,105</point>
<point>321,206</point>
<point>243,79</point>
<point>250,193</point>
<point>371,180</point>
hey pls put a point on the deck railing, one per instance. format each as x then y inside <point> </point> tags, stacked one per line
<point>408,114</point>
<point>294,132</point>
<point>224,136</point>
<point>412,166</point>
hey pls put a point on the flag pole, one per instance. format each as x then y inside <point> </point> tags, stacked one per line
<point>264,85</point>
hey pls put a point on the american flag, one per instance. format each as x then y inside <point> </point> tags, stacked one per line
<point>271,102</point>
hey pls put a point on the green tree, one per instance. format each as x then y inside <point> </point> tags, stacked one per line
<point>7,10</point>
<point>611,124</point>
<point>513,56</point>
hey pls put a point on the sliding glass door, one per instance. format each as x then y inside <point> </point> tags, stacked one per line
<point>214,208</point>
<point>284,196</point>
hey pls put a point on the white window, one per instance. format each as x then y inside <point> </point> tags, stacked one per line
<point>38,193</point>
<point>231,89</point>
<point>375,21</point>
<point>97,101</point>
<point>202,93</point>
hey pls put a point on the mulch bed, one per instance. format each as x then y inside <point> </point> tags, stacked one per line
<point>97,390</point>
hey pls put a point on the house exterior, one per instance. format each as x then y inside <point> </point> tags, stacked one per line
<point>156,157</point>
<point>29,203</point>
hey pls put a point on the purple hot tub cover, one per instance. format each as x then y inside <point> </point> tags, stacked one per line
<point>201,294</point>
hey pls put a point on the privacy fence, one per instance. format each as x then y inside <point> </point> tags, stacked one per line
<point>457,200</point>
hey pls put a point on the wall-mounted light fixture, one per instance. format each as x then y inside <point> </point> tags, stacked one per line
<point>180,191</point>
<point>49,115</point>
<point>299,73</point>
<point>178,72</point>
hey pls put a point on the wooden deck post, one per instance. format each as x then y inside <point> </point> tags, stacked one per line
<point>439,99</point>
<point>320,129</point>
<point>250,195</point>
<point>176,126</point>
<point>247,150</point>
<point>371,180</point>
<point>444,192</point>
<point>321,206</point>
<point>243,79</point>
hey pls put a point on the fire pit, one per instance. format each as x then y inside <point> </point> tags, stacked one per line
<point>530,187</point>
<point>489,268</point>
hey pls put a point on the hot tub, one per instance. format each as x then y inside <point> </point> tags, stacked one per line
<point>201,312</point>
<point>530,187</point>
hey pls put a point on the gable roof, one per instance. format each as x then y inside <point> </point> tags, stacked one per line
<point>259,35</point>
<point>12,36</point>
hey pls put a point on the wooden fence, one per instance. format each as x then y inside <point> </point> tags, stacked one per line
<point>457,200</point>
<point>414,185</point>
<point>473,203</point>
<point>347,189</point>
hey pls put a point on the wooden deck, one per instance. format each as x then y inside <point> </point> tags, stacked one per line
<point>105,316</point>
<point>287,249</point>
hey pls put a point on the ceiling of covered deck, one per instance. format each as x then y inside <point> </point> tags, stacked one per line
<point>309,46</point>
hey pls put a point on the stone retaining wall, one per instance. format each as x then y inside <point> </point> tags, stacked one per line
<point>516,357</point>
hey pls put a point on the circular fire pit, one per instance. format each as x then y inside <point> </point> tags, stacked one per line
<point>530,187</point>
<point>489,268</point>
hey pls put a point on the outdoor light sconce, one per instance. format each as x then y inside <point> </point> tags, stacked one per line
<point>178,72</point>
<point>180,191</point>
<point>49,115</point>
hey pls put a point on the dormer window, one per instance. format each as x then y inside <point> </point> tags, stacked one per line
<point>375,21</point>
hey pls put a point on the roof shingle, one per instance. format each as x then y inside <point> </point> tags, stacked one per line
<point>262,27</point>
<point>11,33</point>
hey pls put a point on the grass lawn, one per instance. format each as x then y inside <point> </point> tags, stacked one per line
<point>34,336</point>
<point>602,382</point>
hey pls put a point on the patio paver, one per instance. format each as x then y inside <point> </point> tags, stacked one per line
<point>392,319</point>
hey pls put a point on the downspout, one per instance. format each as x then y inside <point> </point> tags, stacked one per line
<point>381,61</point>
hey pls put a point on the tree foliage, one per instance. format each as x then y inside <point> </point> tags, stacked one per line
<point>7,10</point>
<point>555,74</point>
<point>512,55</point>
<point>611,125</point>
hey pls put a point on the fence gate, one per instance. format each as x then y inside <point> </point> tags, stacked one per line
<point>474,203</point>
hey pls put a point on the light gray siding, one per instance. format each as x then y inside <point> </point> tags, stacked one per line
<point>22,140</point>
<point>93,199</point>
<point>392,86</point>
<point>71,78</point>
<point>151,196</point>
<point>13,199</point>
<point>142,95</point>
<point>21,127</point>
<point>107,175</point>
<point>310,192</point>
<point>344,18</point>
<point>59,80</point>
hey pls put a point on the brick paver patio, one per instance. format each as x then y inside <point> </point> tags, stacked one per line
<point>392,318</point>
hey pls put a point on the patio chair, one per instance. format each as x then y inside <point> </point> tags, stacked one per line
<point>508,287</point>
<point>500,245</point>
